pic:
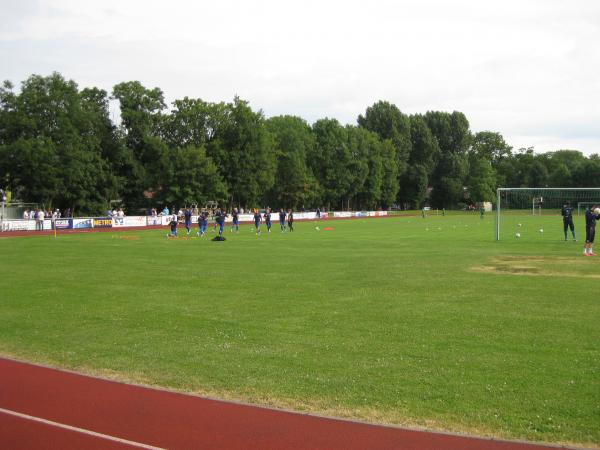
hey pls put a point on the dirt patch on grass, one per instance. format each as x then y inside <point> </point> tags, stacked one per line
<point>575,267</point>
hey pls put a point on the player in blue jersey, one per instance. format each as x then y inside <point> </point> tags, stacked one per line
<point>267,217</point>
<point>235,215</point>
<point>220,219</point>
<point>173,225</point>
<point>282,219</point>
<point>202,223</point>
<point>257,220</point>
<point>567,215</point>
<point>187,216</point>
<point>591,215</point>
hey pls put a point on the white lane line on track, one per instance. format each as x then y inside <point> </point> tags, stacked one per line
<point>79,430</point>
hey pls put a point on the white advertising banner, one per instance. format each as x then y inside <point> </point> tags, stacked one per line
<point>129,221</point>
<point>154,220</point>
<point>18,225</point>
<point>342,214</point>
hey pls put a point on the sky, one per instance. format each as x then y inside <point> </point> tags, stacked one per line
<point>529,70</point>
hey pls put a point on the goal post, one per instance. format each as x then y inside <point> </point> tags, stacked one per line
<point>516,206</point>
<point>582,206</point>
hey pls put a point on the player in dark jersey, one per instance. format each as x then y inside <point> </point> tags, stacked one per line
<point>235,215</point>
<point>187,216</point>
<point>290,218</point>
<point>202,223</point>
<point>220,219</point>
<point>591,215</point>
<point>282,220</point>
<point>567,215</point>
<point>267,217</point>
<point>257,219</point>
<point>173,225</point>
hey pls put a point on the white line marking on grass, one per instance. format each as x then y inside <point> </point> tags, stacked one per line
<point>78,430</point>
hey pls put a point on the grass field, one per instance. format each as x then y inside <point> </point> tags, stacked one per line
<point>411,321</point>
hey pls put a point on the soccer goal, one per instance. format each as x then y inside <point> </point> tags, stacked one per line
<point>582,206</point>
<point>514,208</point>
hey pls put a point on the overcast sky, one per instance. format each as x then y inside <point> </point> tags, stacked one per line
<point>527,69</point>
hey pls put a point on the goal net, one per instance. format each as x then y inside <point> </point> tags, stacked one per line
<point>535,213</point>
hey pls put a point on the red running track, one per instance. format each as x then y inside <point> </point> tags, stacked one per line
<point>43,408</point>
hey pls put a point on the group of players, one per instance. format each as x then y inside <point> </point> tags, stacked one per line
<point>591,215</point>
<point>219,215</point>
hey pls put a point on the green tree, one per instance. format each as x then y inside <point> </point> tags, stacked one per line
<point>330,161</point>
<point>365,169</point>
<point>189,176</point>
<point>481,180</point>
<point>454,138</point>
<point>244,151</point>
<point>295,184</point>
<point>416,183</point>
<point>389,122</point>
<point>389,181</point>
<point>189,123</point>
<point>141,121</point>
<point>51,147</point>
<point>491,146</point>
<point>538,174</point>
<point>423,160</point>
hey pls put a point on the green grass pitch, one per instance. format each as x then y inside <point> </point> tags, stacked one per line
<point>411,321</point>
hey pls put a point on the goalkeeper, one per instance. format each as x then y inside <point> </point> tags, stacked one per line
<point>567,215</point>
<point>591,215</point>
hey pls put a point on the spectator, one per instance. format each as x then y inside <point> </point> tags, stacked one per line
<point>39,224</point>
<point>26,214</point>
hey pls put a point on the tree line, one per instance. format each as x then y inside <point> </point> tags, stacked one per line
<point>60,148</point>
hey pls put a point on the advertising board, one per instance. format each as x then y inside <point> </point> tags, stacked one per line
<point>63,224</point>
<point>129,221</point>
<point>102,222</point>
<point>82,223</point>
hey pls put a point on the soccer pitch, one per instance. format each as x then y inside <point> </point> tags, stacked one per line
<point>410,321</point>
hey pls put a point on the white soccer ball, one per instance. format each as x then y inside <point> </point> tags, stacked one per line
<point>597,211</point>
<point>518,224</point>
<point>517,235</point>
<point>541,230</point>
<point>317,228</point>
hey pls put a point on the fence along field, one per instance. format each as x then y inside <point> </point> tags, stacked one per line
<point>409,320</point>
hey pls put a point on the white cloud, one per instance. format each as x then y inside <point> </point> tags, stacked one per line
<point>526,69</point>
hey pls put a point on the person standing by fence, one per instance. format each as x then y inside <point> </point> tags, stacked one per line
<point>39,220</point>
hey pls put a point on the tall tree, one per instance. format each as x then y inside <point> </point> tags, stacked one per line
<point>423,160</point>
<point>389,181</point>
<point>243,149</point>
<point>481,180</point>
<point>453,137</point>
<point>365,169</point>
<point>189,177</point>
<point>53,145</point>
<point>491,146</point>
<point>330,160</point>
<point>141,121</point>
<point>389,122</point>
<point>295,185</point>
